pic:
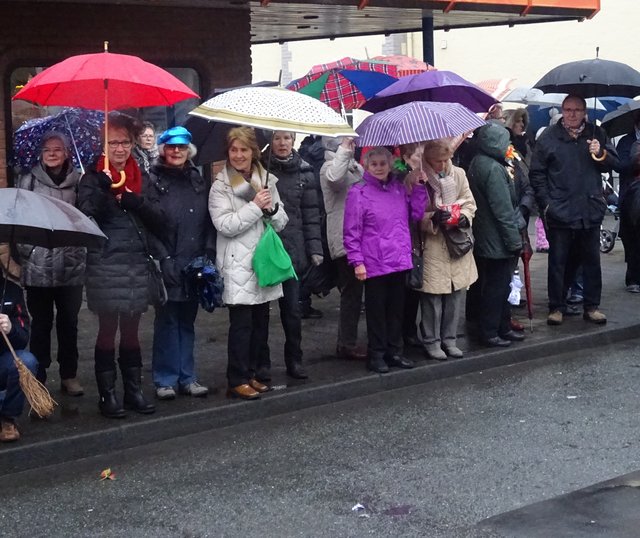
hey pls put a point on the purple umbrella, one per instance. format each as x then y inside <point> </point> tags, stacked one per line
<point>439,86</point>
<point>416,122</point>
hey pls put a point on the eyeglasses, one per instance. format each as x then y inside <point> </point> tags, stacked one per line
<point>113,144</point>
<point>147,136</point>
<point>573,110</point>
<point>179,147</point>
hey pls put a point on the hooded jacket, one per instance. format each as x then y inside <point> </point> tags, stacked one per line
<point>496,221</point>
<point>376,224</point>
<point>338,173</point>
<point>61,266</point>
<point>184,197</point>
<point>567,181</point>
<point>301,236</point>
<point>240,224</point>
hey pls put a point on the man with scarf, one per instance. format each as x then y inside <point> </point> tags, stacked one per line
<point>565,174</point>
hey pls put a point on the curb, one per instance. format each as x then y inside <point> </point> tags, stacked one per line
<point>20,458</point>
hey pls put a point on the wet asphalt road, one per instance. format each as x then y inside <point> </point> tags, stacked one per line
<point>431,460</point>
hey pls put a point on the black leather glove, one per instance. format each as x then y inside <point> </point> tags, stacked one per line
<point>130,200</point>
<point>104,181</point>
<point>463,222</point>
<point>440,217</point>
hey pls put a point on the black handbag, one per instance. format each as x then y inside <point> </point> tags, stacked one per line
<point>459,241</point>
<point>156,289</point>
<point>415,276</point>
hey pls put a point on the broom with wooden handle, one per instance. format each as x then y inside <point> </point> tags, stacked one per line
<point>36,393</point>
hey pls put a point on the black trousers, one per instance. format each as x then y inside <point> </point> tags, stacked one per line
<point>350,303</point>
<point>569,249</point>
<point>632,257</point>
<point>384,302</point>
<point>490,295</point>
<point>409,319</point>
<point>67,301</point>
<point>248,343</point>
<point>291,318</point>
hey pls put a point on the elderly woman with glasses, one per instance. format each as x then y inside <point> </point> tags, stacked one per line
<point>145,151</point>
<point>117,196</point>
<point>189,233</point>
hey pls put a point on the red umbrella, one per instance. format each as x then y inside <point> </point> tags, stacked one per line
<point>105,81</point>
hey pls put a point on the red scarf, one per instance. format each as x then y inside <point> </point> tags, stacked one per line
<point>133,182</point>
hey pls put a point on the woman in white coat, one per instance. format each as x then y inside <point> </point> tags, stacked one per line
<point>239,203</point>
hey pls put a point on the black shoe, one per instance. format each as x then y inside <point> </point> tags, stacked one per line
<point>398,361</point>
<point>133,397</point>
<point>413,341</point>
<point>513,336</point>
<point>263,374</point>
<point>377,364</point>
<point>108,403</point>
<point>496,341</point>
<point>311,313</point>
<point>296,370</point>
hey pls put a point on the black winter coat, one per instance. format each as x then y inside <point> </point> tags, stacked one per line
<point>302,235</point>
<point>567,181</point>
<point>189,231</point>
<point>117,274</point>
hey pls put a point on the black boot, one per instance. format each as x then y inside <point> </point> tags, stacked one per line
<point>133,397</point>
<point>108,403</point>
<point>296,370</point>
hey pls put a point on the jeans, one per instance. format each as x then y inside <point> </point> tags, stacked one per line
<point>67,301</point>
<point>291,317</point>
<point>173,342</point>
<point>11,395</point>
<point>350,303</point>
<point>384,301</point>
<point>569,249</point>
<point>248,345</point>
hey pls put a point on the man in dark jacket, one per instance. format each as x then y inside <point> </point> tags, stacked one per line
<point>566,169</point>
<point>498,239</point>
<point>623,148</point>
<point>14,322</point>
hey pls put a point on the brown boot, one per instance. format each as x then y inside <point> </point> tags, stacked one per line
<point>8,431</point>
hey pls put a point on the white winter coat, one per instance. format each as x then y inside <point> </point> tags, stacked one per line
<point>240,225</point>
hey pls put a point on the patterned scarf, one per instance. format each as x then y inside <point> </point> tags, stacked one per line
<point>574,133</point>
<point>443,184</point>
<point>132,172</point>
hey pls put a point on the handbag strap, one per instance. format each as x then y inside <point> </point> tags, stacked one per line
<point>142,237</point>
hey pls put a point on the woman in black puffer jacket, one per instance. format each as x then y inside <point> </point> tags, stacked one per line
<point>301,236</point>
<point>184,197</point>
<point>117,275</point>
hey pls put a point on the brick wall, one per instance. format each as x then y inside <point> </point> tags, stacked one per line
<point>214,42</point>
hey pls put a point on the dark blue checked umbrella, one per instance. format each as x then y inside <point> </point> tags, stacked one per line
<point>416,122</point>
<point>81,126</point>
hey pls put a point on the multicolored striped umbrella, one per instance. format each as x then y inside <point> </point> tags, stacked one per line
<point>416,122</point>
<point>347,83</point>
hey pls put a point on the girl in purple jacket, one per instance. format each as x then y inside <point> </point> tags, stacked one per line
<point>378,245</point>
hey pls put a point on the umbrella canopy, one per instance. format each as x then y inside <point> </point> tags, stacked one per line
<point>352,63</point>
<point>276,109</point>
<point>84,80</point>
<point>592,78</point>
<point>406,65</point>
<point>81,127</point>
<point>416,122</point>
<point>40,220</point>
<point>343,89</point>
<point>497,87</point>
<point>435,86</point>
<point>622,120</point>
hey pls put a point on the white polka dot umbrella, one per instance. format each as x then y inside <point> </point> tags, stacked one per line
<point>277,109</point>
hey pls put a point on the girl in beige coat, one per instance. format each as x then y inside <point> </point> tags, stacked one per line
<point>444,278</point>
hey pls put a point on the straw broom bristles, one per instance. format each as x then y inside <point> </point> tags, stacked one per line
<point>36,393</point>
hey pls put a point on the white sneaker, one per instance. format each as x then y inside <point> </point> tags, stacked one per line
<point>165,393</point>
<point>194,389</point>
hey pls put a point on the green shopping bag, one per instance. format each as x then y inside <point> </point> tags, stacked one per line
<point>271,262</point>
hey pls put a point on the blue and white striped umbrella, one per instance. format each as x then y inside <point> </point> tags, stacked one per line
<point>416,122</point>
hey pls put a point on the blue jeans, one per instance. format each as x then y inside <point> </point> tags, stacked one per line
<point>173,341</point>
<point>11,395</point>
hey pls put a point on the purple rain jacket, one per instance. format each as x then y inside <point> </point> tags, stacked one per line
<point>376,224</point>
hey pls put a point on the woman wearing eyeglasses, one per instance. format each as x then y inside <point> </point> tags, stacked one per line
<point>145,151</point>
<point>184,196</point>
<point>119,199</point>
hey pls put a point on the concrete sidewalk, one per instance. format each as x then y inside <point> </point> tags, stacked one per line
<point>77,430</point>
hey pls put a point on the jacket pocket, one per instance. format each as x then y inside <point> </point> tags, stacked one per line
<point>597,209</point>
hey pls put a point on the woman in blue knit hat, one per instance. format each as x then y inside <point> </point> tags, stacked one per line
<point>189,233</point>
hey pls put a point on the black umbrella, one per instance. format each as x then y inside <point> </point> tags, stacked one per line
<point>622,120</point>
<point>592,78</point>
<point>40,220</point>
